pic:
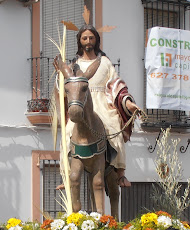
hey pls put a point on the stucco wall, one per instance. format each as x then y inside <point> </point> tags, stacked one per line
<point>15,46</point>
<point>17,139</point>
<point>16,145</point>
<point>126,41</point>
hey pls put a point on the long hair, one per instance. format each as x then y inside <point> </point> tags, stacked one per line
<point>97,36</point>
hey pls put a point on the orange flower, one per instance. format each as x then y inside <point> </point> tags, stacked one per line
<point>106,218</point>
<point>46,224</point>
<point>127,226</point>
<point>185,224</point>
<point>112,224</point>
<point>162,213</point>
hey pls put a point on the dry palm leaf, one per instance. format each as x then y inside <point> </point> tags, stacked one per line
<point>106,29</point>
<point>45,214</point>
<point>63,149</point>
<point>86,15</point>
<point>70,26</point>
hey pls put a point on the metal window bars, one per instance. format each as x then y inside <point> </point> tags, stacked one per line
<point>172,14</point>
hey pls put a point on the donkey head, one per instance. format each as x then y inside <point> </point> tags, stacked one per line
<point>76,88</point>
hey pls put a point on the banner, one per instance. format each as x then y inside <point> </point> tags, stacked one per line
<point>167,63</point>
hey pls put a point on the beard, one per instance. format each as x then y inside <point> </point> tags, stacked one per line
<point>88,48</point>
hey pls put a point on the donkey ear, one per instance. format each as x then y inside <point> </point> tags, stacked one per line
<point>91,70</point>
<point>77,71</point>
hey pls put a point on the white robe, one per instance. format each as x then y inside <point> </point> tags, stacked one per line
<point>104,86</point>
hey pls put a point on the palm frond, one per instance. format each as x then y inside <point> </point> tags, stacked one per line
<point>86,15</point>
<point>70,26</point>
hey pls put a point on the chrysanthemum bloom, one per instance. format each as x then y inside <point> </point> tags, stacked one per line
<point>84,213</point>
<point>95,215</point>
<point>87,225</point>
<point>149,220</point>
<point>57,224</point>
<point>109,221</point>
<point>70,226</point>
<point>106,219</point>
<point>12,222</point>
<point>178,223</point>
<point>185,224</point>
<point>162,213</point>
<point>112,224</point>
<point>46,224</point>
<point>17,227</point>
<point>74,218</point>
<point>164,221</point>
<point>127,226</point>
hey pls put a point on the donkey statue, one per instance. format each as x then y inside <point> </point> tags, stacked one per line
<point>88,142</point>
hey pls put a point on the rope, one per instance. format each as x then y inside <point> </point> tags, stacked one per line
<point>131,120</point>
<point>113,135</point>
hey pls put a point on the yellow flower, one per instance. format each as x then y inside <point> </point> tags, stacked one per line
<point>12,222</point>
<point>149,219</point>
<point>74,218</point>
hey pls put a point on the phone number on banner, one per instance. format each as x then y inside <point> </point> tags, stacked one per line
<point>171,76</point>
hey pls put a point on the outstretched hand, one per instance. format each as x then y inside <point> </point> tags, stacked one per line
<point>58,63</point>
<point>132,107</point>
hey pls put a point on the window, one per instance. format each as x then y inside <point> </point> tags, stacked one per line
<point>136,200</point>
<point>170,14</point>
<point>51,179</point>
<point>53,12</point>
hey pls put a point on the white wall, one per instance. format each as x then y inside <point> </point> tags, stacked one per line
<point>126,41</point>
<point>16,145</point>
<point>15,47</point>
<point>17,139</point>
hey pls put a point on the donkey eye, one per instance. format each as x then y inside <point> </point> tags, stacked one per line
<point>84,88</point>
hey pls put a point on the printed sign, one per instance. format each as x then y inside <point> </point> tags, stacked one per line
<point>167,63</point>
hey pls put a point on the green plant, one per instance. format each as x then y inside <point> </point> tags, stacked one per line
<point>169,170</point>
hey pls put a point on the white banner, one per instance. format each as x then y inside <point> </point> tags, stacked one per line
<point>167,63</point>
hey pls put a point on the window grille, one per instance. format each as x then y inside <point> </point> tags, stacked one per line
<point>172,14</point>
<point>136,200</point>
<point>51,179</point>
<point>53,12</point>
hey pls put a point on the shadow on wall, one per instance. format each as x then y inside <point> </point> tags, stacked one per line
<point>15,173</point>
<point>140,162</point>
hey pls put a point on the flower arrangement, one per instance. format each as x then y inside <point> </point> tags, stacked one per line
<point>75,221</point>
<point>156,220</point>
<point>159,220</point>
<point>17,224</point>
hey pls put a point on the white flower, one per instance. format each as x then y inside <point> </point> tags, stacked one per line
<point>57,224</point>
<point>178,223</point>
<point>87,225</point>
<point>164,221</point>
<point>64,215</point>
<point>36,225</point>
<point>83,213</point>
<point>131,227</point>
<point>70,226</point>
<point>95,215</point>
<point>17,227</point>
